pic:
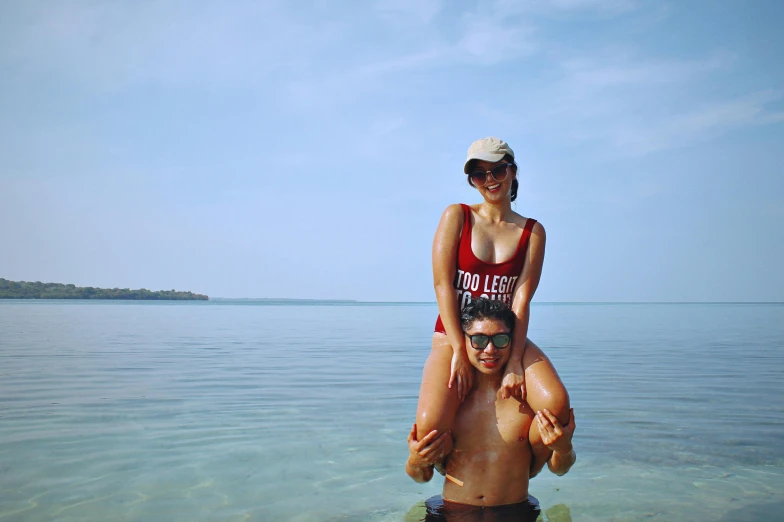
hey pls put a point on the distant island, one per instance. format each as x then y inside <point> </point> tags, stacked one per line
<point>39,290</point>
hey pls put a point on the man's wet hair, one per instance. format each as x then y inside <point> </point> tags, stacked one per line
<point>483,308</point>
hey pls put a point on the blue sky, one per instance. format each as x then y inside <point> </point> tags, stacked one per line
<point>306,149</point>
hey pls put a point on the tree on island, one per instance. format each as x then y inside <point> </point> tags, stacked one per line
<point>39,290</point>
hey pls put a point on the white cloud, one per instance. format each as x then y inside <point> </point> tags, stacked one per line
<point>619,100</point>
<point>402,63</point>
<point>627,105</point>
<point>549,7</point>
<point>381,128</point>
<point>419,11</point>
<point>706,121</point>
<point>380,139</point>
<point>118,45</point>
<point>607,6</point>
<point>334,87</point>
<point>503,30</point>
<point>622,71</point>
<point>490,40</point>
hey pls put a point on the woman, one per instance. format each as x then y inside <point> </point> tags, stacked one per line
<point>487,250</point>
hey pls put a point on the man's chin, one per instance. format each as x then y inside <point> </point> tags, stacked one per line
<point>490,366</point>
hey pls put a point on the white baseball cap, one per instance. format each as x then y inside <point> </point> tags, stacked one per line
<point>488,149</point>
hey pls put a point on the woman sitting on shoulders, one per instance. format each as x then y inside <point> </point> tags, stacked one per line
<point>486,250</point>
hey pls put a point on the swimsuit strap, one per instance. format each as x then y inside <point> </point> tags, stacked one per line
<point>464,248</point>
<point>466,221</point>
<point>527,230</point>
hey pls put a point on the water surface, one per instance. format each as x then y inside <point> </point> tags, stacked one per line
<point>235,411</point>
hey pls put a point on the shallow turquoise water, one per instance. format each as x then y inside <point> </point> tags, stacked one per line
<point>223,411</point>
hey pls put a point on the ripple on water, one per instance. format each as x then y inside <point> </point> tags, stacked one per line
<point>180,412</point>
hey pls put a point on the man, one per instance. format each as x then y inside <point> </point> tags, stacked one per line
<point>496,444</point>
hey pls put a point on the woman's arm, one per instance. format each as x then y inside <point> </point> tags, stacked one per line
<point>445,246</point>
<point>513,384</point>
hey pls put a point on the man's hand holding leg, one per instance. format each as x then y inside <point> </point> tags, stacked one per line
<point>558,439</point>
<point>424,454</point>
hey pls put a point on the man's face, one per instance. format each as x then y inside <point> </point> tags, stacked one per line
<point>491,359</point>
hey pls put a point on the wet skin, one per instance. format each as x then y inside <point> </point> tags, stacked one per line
<point>491,454</point>
<point>496,444</point>
<point>447,376</point>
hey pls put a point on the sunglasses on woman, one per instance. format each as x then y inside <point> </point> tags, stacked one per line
<point>498,173</point>
<point>480,341</point>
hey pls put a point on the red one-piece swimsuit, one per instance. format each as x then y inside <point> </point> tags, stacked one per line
<point>475,278</point>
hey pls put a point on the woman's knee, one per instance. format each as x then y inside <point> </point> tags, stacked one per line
<point>436,411</point>
<point>557,402</point>
<point>544,389</point>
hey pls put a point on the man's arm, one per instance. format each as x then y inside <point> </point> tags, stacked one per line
<point>419,473</point>
<point>560,464</point>
<point>424,454</point>
<point>556,439</point>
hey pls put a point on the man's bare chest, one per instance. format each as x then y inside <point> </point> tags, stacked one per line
<point>495,424</point>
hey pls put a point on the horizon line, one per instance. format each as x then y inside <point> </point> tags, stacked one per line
<point>357,301</point>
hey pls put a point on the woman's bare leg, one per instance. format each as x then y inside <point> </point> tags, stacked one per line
<point>437,402</point>
<point>544,390</point>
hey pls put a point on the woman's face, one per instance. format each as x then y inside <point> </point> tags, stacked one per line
<point>490,187</point>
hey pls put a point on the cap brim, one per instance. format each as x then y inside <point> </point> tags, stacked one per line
<point>492,157</point>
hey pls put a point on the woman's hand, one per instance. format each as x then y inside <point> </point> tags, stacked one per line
<point>426,452</point>
<point>555,437</point>
<point>513,384</point>
<point>462,373</point>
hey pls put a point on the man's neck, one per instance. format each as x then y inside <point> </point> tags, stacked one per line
<point>488,382</point>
